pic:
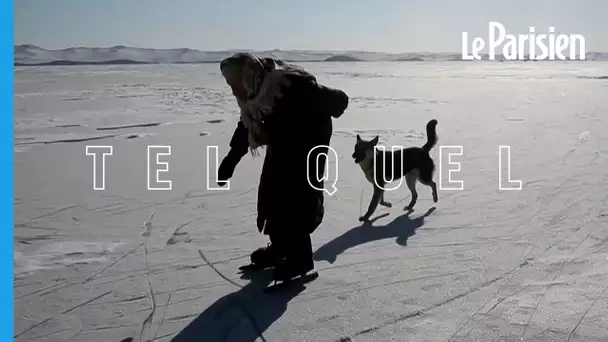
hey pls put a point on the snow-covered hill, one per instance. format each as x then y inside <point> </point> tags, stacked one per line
<point>31,54</point>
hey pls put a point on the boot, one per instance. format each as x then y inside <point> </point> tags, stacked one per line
<point>265,257</point>
<point>290,268</point>
<point>298,260</point>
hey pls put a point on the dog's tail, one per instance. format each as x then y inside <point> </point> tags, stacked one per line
<point>431,135</point>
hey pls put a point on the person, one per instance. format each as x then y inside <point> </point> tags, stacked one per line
<point>286,111</point>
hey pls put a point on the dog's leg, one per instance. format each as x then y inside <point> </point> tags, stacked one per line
<point>427,179</point>
<point>385,203</point>
<point>376,197</point>
<point>410,180</point>
<point>433,187</point>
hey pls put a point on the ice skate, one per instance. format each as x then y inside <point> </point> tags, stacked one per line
<point>263,258</point>
<point>287,273</point>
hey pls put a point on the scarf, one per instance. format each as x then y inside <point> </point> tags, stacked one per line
<point>265,81</point>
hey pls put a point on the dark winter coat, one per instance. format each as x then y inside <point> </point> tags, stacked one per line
<point>301,120</point>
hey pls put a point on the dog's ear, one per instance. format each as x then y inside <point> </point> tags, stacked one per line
<point>375,140</point>
<point>359,138</point>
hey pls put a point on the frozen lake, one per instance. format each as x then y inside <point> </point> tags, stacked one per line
<point>483,265</point>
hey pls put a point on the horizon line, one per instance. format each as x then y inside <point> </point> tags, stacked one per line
<point>229,49</point>
<point>246,49</point>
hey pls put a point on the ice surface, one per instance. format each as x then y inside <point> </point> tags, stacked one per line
<point>483,265</point>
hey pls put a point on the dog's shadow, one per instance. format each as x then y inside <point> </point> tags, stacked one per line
<point>401,228</point>
<point>243,315</point>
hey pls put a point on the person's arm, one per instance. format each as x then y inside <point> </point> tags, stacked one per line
<point>330,101</point>
<point>239,145</point>
<point>316,98</point>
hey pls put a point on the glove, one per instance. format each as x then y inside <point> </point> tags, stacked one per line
<point>226,169</point>
<point>239,145</point>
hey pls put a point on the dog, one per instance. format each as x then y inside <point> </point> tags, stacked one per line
<point>379,166</point>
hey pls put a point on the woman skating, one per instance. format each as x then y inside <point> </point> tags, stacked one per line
<point>284,109</point>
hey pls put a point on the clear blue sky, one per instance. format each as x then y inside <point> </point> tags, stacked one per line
<point>380,25</point>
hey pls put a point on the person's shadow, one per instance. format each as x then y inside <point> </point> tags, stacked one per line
<point>401,228</point>
<point>243,315</point>
<point>246,314</point>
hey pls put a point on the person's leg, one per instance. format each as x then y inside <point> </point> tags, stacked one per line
<point>272,254</point>
<point>269,255</point>
<point>304,218</point>
<point>298,255</point>
<point>304,256</point>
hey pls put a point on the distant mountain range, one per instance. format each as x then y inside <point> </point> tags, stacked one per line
<point>28,55</point>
